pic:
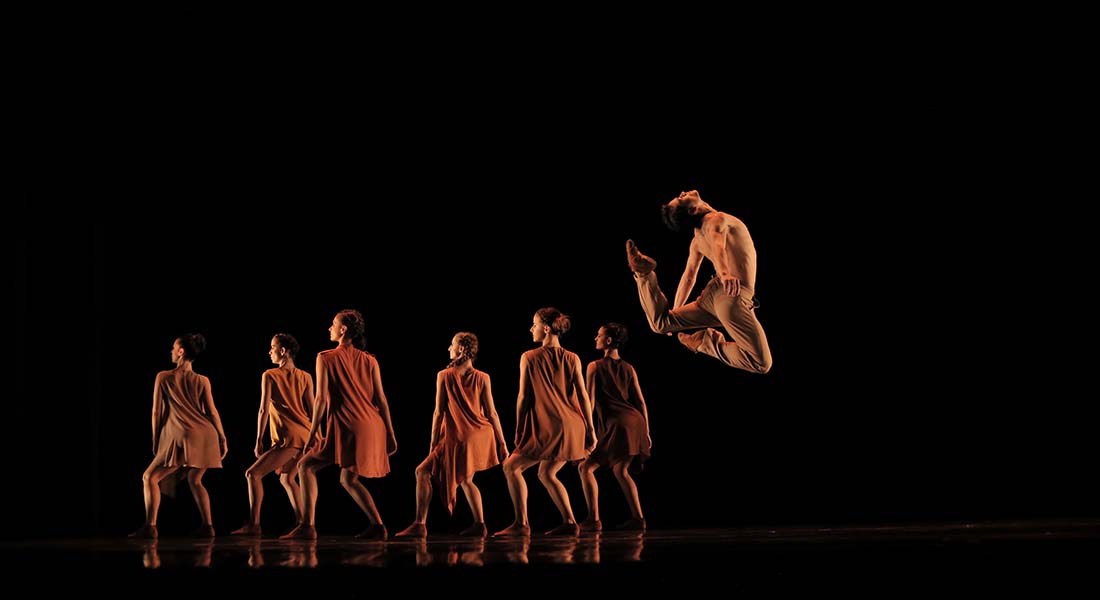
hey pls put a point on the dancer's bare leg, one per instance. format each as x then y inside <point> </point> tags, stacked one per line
<point>548,475</point>
<point>587,470</point>
<point>514,466</point>
<point>423,501</point>
<point>198,492</point>
<point>289,482</point>
<point>626,482</point>
<point>307,480</point>
<point>423,494</point>
<point>150,481</point>
<point>358,492</point>
<point>266,463</point>
<point>307,502</point>
<point>473,497</point>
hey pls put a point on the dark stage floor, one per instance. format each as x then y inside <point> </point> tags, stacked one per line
<point>1001,554</point>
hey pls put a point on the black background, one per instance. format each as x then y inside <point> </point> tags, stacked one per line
<point>911,382</point>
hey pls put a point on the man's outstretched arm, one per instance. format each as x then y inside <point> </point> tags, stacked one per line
<point>687,280</point>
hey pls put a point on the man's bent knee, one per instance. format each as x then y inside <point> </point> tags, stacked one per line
<point>764,366</point>
<point>661,326</point>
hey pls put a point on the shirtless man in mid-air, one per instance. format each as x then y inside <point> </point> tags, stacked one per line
<point>727,301</point>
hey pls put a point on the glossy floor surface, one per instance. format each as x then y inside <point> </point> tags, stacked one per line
<point>691,561</point>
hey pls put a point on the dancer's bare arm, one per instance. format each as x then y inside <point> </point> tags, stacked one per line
<point>384,409</point>
<point>691,271</point>
<point>261,419</point>
<point>437,415</point>
<point>310,399</point>
<point>586,406</point>
<point>642,406</point>
<point>320,404</point>
<point>491,410</point>
<point>590,379</point>
<point>519,397</point>
<point>212,414</point>
<point>158,411</point>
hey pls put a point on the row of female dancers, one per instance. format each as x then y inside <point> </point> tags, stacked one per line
<point>348,424</point>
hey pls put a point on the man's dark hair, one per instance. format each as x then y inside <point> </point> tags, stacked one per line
<point>679,217</point>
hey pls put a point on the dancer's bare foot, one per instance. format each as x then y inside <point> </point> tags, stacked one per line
<point>375,532</point>
<point>639,263</point>
<point>416,530</point>
<point>565,529</point>
<point>514,530</point>
<point>249,530</point>
<point>301,532</point>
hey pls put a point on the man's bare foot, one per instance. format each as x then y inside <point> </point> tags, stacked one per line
<point>476,530</point>
<point>145,532</point>
<point>249,530</point>
<point>514,530</point>
<point>632,525</point>
<point>693,341</point>
<point>301,532</point>
<point>565,529</point>
<point>591,524</point>
<point>639,263</point>
<point>416,530</point>
<point>375,532</point>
